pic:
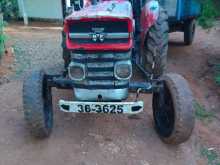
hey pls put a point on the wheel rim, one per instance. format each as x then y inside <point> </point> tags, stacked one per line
<point>163,112</point>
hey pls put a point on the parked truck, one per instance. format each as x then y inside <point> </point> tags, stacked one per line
<point>182,17</point>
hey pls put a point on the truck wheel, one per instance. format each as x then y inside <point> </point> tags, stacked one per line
<point>37,103</point>
<point>156,46</point>
<point>173,110</point>
<point>189,31</point>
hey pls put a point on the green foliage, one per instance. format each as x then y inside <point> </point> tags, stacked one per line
<point>217,74</point>
<point>2,37</point>
<point>202,114</point>
<point>209,13</point>
<point>9,8</point>
<point>210,155</point>
<point>217,79</point>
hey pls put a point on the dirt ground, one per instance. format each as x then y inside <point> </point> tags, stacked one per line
<point>101,139</point>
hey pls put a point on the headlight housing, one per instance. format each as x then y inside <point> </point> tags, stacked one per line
<point>76,71</point>
<point>123,70</point>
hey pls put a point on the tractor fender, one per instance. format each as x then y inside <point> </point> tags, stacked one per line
<point>149,15</point>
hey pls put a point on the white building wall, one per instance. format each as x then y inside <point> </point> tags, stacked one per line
<point>44,9</point>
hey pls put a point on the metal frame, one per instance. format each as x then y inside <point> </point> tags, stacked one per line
<point>61,82</point>
<point>149,86</point>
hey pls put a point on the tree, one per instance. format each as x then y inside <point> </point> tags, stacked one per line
<point>9,8</point>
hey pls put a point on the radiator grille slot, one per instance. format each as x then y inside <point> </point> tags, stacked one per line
<point>108,26</point>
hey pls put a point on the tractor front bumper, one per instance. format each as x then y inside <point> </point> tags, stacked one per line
<point>102,107</point>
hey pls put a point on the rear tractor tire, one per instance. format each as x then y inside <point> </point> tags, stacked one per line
<point>37,104</point>
<point>156,46</point>
<point>173,110</point>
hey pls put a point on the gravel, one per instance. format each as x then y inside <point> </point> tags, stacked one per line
<point>35,49</point>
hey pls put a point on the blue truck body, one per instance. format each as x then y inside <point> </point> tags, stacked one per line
<point>187,9</point>
<point>182,15</point>
<point>181,9</point>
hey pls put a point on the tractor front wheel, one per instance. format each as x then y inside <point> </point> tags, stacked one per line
<point>173,110</point>
<point>37,104</point>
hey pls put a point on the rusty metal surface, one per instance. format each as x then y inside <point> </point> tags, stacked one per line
<point>115,8</point>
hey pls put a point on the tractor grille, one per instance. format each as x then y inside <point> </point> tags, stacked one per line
<point>113,32</point>
<point>100,70</point>
<point>109,26</point>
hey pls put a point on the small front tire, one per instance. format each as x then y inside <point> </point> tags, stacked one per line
<point>37,104</point>
<point>173,110</point>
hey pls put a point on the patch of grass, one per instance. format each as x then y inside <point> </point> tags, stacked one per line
<point>209,13</point>
<point>210,155</point>
<point>202,114</point>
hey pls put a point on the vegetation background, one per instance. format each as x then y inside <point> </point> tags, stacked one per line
<point>2,36</point>
<point>9,10</point>
<point>210,12</point>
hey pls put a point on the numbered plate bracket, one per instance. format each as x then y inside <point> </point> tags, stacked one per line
<point>101,107</point>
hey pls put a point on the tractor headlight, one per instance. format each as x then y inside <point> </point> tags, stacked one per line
<point>76,71</point>
<point>123,70</point>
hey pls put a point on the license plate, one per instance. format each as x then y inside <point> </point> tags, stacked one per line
<point>101,107</point>
<point>106,108</point>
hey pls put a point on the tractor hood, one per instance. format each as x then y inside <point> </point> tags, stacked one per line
<point>105,26</point>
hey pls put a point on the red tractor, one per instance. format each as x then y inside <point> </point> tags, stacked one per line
<point>103,41</point>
